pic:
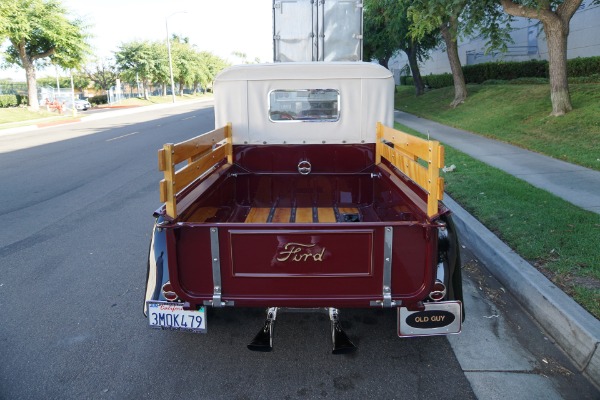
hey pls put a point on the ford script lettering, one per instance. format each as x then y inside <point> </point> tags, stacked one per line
<point>300,252</point>
<point>430,319</point>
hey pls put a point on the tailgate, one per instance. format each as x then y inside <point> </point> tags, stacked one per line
<point>329,265</point>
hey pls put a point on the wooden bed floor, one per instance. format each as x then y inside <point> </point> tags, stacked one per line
<point>261,215</point>
<point>298,215</point>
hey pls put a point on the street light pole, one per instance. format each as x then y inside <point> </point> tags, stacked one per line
<point>169,50</point>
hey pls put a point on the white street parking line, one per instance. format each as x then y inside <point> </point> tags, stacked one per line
<point>121,137</point>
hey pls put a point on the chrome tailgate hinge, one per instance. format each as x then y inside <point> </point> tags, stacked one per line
<point>216,272</point>
<point>387,301</point>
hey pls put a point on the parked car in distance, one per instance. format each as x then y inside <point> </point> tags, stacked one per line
<point>82,105</point>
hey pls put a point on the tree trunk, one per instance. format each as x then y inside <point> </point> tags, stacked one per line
<point>29,66</point>
<point>411,53</point>
<point>145,89</point>
<point>34,103</point>
<point>460,88</point>
<point>556,37</point>
<point>556,27</point>
<point>384,61</point>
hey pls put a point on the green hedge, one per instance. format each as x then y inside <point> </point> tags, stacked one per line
<point>579,70</point>
<point>506,70</point>
<point>102,99</point>
<point>581,67</point>
<point>433,81</point>
<point>8,100</point>
<point>22,99</point>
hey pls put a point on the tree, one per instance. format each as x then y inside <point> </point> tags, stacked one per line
<point>80,81</point>
<point>555,17</point>
<point>185,61</point>
<point>453,18</point>
<point>211,65</point>
<point>160,65</point>
<point>40,33</point>
<point>386,28</point>
<point>103,73</point>
<point>381,42</point>
<point>136,60</point>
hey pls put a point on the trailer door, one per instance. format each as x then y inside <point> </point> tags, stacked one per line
<point>294,30</point>
<point>340,30</point>
<point>311,30</point>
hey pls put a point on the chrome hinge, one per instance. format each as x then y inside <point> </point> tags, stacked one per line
<point>216,270</point>
<point>387,272</point>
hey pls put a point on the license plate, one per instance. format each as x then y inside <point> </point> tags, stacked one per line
<point>172,316</point>
<point>442,318</point>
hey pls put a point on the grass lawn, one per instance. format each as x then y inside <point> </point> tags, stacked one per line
<point>16,116</point>
<point>19,116</point>
<point>558,238</point>
<point>518,114</point>
<point>135,101</point>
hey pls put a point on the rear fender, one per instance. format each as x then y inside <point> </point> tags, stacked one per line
<point>449,254</point>
<point>158,267</point>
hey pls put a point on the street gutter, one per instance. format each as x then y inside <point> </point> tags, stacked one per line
<point>574,330</point>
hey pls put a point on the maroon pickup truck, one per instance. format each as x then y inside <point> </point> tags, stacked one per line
<point>304,197</point>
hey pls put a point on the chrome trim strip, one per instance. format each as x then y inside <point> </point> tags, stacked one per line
<point>216,267</point>
<point>387,271</point>
<point>387,266</point>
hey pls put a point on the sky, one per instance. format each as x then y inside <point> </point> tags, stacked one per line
<point>218,26</point>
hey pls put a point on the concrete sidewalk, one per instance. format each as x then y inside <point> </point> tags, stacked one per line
<point>575,330</point>
<point>575,184</point>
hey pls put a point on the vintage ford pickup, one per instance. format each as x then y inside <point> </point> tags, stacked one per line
<point>304,196</point>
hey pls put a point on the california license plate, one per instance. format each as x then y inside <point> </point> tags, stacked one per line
<point>172,316</point>
<point>441,318</point>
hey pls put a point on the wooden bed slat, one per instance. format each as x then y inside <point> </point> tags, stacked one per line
<point>326,215</point>
<point>258,215</point>
<point>282,215</point>
<point>304,214</point>
<point>202,214</point>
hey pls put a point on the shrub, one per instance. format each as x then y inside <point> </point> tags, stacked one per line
<point>22,99</point>
<point>579,70</point>
<point>433,81</point>
<point>101,99</point>
<point>438,81</point>
<point>8,100</point>
<point>505,70</point>
<point>587,66</point>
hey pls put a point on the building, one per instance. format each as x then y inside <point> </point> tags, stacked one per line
<point>529,42</point>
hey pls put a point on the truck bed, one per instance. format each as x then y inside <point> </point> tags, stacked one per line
<point>283,236</point>
<point>282,198</point>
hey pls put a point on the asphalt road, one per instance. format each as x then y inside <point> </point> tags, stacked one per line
<point>76,221</point>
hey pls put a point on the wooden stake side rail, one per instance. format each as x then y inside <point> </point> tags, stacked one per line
<point>404,151</point>
<point>201,153</point>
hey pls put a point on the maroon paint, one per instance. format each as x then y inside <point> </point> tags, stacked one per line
<point>339,264</point>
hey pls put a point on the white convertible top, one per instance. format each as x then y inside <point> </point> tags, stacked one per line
<point>365,94</point>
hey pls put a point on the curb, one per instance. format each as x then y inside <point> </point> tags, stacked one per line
<point>574,330</point>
